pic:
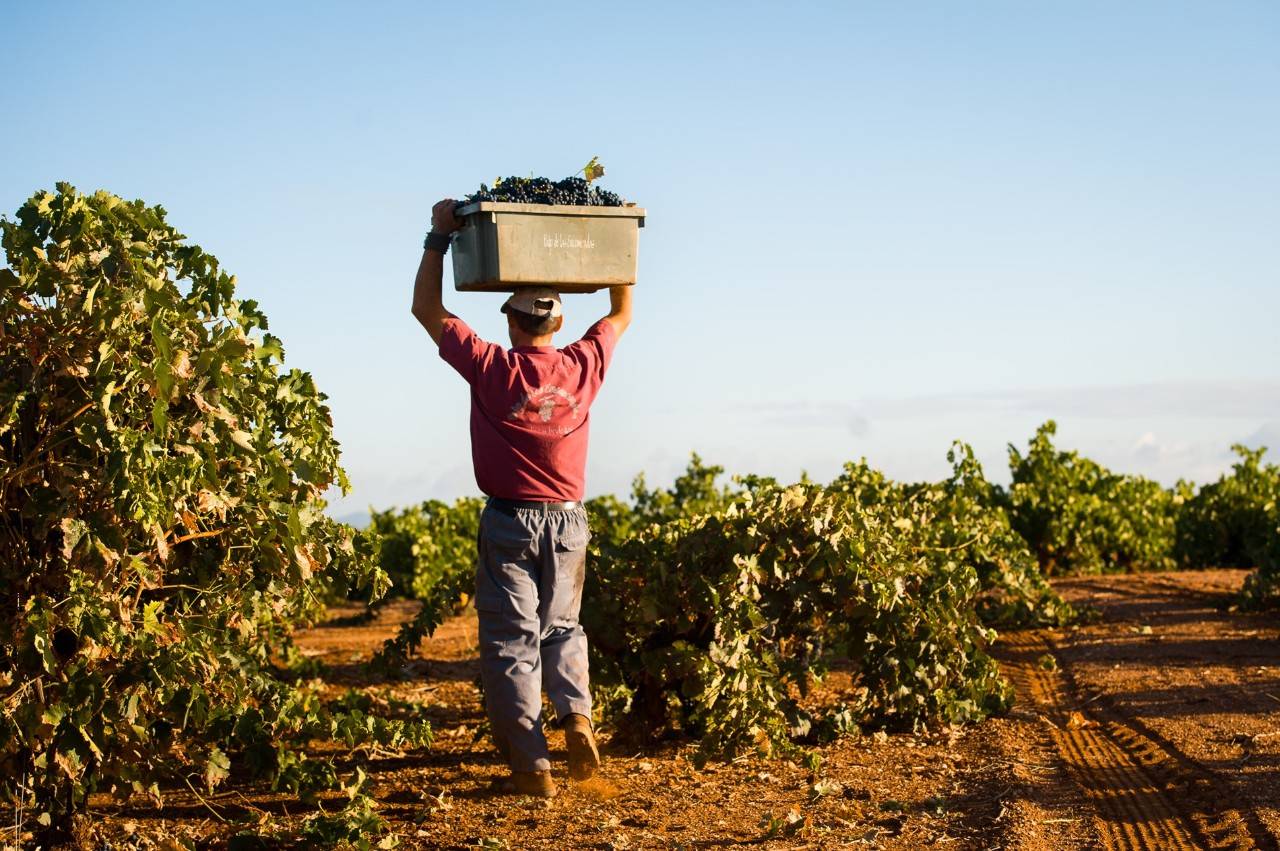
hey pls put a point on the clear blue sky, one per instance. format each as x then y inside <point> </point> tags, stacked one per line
<point>873,227</point>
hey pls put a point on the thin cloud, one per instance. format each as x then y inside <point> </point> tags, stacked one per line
<point>1268,435</point>
<point>1224,399</point>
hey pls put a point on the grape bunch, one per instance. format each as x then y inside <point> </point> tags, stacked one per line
<point>572,191</point>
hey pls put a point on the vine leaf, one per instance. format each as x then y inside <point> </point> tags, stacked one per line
<point>217,769</point>
<point>593,170</point>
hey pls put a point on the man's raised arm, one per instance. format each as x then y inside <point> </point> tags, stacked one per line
<point>428,300</point>
<point>619,309</point>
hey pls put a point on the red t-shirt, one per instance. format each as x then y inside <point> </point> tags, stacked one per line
<point>529,410</point>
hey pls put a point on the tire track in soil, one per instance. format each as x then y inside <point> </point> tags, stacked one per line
<point>1144,796</point>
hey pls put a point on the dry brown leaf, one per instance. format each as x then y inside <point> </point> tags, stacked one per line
<point>1077,721</point>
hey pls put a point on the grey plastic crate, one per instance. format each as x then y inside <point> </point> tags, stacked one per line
<point>502,246</point>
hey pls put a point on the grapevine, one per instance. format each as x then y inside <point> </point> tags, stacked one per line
<point>161,482</point>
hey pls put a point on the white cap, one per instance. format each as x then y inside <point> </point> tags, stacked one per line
<point>535,301</point>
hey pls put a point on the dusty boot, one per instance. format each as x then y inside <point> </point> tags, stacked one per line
<point>536,783</point>
<point>584,759</point>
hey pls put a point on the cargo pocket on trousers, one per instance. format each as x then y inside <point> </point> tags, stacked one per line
<point>571,570</point>
<point>489,596</point>
<point>488,600</point>
<point>500,541</point>
<point>492,615</point>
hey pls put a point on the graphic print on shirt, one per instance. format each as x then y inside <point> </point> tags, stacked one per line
<point>540,407</point>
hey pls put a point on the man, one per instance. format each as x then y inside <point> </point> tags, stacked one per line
<point>529,420</point>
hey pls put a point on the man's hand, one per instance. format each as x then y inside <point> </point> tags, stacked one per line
<point>428,303</point>
<point>443,219</point>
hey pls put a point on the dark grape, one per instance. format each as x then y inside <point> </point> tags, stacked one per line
<point>65,643</point>
<point>572,191</point>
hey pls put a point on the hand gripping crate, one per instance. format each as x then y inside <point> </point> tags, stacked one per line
<point>502,246</point>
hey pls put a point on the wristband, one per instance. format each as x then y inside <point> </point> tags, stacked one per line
<point>437,242</point>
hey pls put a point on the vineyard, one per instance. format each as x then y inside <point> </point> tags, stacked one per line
<point>197,656</point>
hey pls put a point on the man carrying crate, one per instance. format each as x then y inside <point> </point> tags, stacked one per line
<point>529,429</point>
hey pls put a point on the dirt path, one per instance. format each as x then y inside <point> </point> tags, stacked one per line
<point>1145,798</point>
<point>1162,712</point>
<point>1155,727</point>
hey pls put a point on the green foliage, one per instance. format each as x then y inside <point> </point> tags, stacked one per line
<point>161,477</point>
<point>1235,522</point>
<point>425,543</point>
<point>1262,587</point>
<point>352,826</point>
<point>693,492</point>
<point>429,550</point>
<point>612,521</point>
<point>1228,523</point>
<point>964,514</point>
<point>1079,517</point>
<point>716,622</point>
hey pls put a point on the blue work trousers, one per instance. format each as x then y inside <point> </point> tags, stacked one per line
<point>528,593</point>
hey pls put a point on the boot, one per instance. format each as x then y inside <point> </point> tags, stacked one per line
<point>536,783</point>
<point>584,758</point>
